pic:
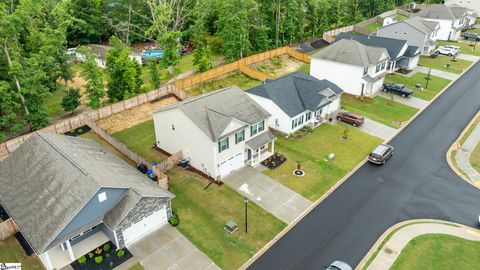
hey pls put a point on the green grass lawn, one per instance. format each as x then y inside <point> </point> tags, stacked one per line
<point>140,139</point>
<point>435,85</point>
<point>305,68</point>
<point>12,252</point>
<point>372,27</point>
<point>380,109</point>
<point>315,51</point>
<point>466,48</point>
<point>312,151</point>
<point>239,79</point>
<point>204,212</point>
<point>439,251</point>
<point>440,63</point>
<point>53,102</point>
<point>94,136</point>
<point>137,266</point>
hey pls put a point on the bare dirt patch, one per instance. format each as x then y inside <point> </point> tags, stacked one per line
<point>133,116</point>
<point>278,66</point>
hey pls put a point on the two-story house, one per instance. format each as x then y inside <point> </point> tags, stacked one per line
<point>451,20</point>
<point>218,132</point>
<point>402,55</point>
<point>356,68</point>
<point>297,100</point>
<point>416,31</point>
<point>473,5</point>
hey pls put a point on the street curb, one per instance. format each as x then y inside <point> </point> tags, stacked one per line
<point>377,244</point>
<point>456,146</point>
<point>343,179</point>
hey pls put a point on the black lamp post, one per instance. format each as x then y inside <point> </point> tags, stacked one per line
<point>245,200</point>
<point>428,77</point>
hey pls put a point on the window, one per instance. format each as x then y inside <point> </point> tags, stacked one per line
<point>308,116</point>
<point>256,128</point>
<point>377,68</point>
<point>102,197</point>
<point>173,127</point>
<point>297,122</point>
<point>365,71</point>
<point>277,124</point>
<point>223,145</point>
<point>383,66</point>
<point>239,136</point>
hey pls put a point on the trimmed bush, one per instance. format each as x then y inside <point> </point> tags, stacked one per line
<point>120,253</point>
<point>82,260</point>
<point>106,247</point>
<point>90,255</point>
<point>107,255</point>
<point>111,264</point>
<point>98,259</point>
<point>174,220</point>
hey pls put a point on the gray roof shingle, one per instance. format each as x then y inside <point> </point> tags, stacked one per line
<point>421,24</point>
<point>260,140</point>
<point>213,112</point>
<point>393,46</point>
<point>297,92</point>
<point>352,52</point>
<point>442,12</point>
<point>50,178</point>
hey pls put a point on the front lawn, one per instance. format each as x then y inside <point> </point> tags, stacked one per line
<point>239,79</point>
<point>12,252</point>
<point>475,158</point>
<point>435,85</point>
<point>204,212</point>
<point>441,61</point>
<point>466,48</point>
<point>312,151</point>
<point>380,109</point>
<point>141,139</point>
<point>439,251</point>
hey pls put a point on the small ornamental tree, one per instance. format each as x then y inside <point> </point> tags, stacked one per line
<point>71,100</point>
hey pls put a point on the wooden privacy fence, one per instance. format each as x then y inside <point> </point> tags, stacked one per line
<point>7,229</point>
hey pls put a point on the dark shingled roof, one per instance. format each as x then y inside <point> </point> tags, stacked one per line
<point>297,92</point>
<point>393,46</point>
<point>46,181</point>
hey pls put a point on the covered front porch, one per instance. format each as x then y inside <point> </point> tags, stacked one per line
<point>260,148</point>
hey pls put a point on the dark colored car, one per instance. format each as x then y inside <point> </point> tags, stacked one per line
<point>398,89</point>
<point>381,154</point>
<point>351,118</point>
<point>471,36</point>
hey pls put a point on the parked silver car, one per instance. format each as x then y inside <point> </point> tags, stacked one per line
<point>381,154</point>
<point>339,265</point>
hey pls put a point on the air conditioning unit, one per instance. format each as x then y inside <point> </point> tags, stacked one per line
<point>412,5</point>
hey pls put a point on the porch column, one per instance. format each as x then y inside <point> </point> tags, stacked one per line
<point>273,147</point>
<point>70,251</point>
<point>259,154</point>
<point>62,246</point>
<point>47,260</point>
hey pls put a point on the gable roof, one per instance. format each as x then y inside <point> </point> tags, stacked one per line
<point>442,12</point>
<point>393,46</point>
<point>48,179</point>
<point>352,52</point>
<point>213,112</point>
<point>297,92</point>
<point>419,24</point>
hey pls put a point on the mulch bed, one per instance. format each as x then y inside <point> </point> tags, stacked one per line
<point>112,257</point>
<point>274,161</point>
<point>78,131</point>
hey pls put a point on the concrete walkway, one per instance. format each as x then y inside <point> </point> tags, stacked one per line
<point>438,73</point>
<point>410,101</point>
<point>269,194</point>
<point>165,248</point>
<point>468,57</point>
<point>377,129</point>
<point>392,249</point>
<point>462,156</point>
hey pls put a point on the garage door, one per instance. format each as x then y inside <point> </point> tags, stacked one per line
<point>144,226</point>
<point>231,164</point>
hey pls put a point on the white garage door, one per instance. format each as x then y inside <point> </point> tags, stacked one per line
<point>144,226</point>
<point>231,164</point>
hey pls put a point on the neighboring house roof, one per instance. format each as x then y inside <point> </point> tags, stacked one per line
<point>420,24</point>
<point>48,180</point>
<point>393,46</point>
<point>213,112</point>
<point>101,51</point>
<point>442,12</point>
<point>297,92</point>
<point>352,52</point>
<point>411,51</point>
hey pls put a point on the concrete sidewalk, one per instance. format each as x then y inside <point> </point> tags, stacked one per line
<point>468,57</point>
<point>410,101</point>
<point>392,249</point>
<point>438,73</point>
<point>462,156</point>
<point>377,129</point>
<point>269,194</point>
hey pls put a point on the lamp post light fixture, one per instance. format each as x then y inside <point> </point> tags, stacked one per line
<point>245,200</point>
<point>428,78</point>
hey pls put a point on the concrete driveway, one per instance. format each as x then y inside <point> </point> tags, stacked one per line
<point>410,101</point>
<point>377,129</point>
<point>165,248</point>
<point>269,194</point>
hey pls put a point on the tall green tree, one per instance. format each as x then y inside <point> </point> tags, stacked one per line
<point>171,51</point>
<point>154,73</point>
<point>89,25</point>
<point>93,75</point>
<point>71,100</point>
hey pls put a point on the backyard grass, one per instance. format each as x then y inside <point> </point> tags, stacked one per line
<point>372,27</point>
<point>435,85</point>
<point>312,150</point>
<point>239,79</point>
<point>12,252</point>
<point>315,51</point>
<point>204,212</point>
<point>140,139</point>
<point>380,109</point>
<point>439,251</point>
<point>305,68</point>
<point>53,103</point>
<point>94,136</point>
<point>279,66</point>
<point>466,48</point>
<point>441,61</point>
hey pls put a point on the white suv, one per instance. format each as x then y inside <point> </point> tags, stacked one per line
<point>448,50</point>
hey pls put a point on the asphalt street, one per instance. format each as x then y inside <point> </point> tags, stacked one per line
<point>416,182</point>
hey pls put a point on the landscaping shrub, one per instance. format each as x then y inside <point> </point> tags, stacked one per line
<point>299,134</point>
<point>98,259</point>
<point>111,264</point>
<point>174,220</point>
<point>82,260</point>
<point>106,247</point>
<point>90,255</point>
<point>98,251</point>
<point>366,99</point>
<point>120,253</point>
<point>274,161</point>
<point>107,255</point>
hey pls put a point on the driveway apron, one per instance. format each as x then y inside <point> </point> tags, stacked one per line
<point>410,101</point>
<point>377,129</point>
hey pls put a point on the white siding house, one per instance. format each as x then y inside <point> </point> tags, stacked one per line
<point>297,100</point>
<point>357,69</point>
<point>452,20</point>
<point>100,52</point>
<point>218,132</point>
<point>470,4</point>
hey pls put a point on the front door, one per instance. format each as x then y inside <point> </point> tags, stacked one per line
<point>249,154</point>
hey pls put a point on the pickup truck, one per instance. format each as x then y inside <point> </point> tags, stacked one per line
<point>398,89</point>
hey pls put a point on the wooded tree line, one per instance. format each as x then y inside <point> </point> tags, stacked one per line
<point>34,35</point>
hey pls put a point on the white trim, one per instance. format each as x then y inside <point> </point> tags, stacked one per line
<point>116,239</point>
<point>47,260</point>
<point>70,251</point>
